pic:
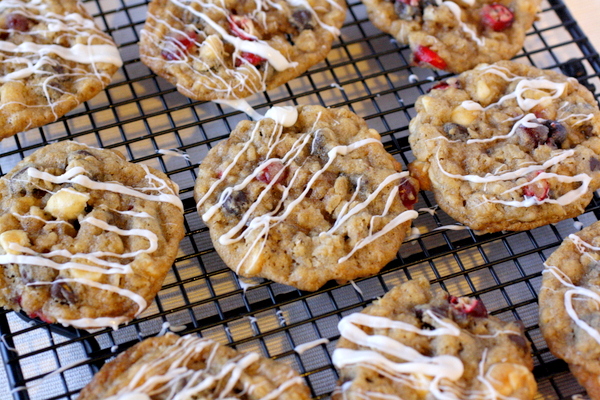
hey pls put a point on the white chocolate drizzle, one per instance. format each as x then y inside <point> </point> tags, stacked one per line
<point>172,377</point>
<point>301,348</point>
<point>455,8</point>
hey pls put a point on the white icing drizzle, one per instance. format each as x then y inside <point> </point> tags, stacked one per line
<point>170,377</point>
<point>578,225</point>
<point>3,339</point>
<point>412,78</point>
<point>576,291</point>
<point>174,153</point>
<point>355,286</point>
<point>451,228</point>
<point>259,226</point>
<point>285,116</point>
<point>281,318</point>
<point>301,348</point>
<point>455,8</point>
<point>528,121</point>
<point>430,210</point>
<point>241,105</point>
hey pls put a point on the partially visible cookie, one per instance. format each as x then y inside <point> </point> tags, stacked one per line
<point>456,35</point>
<point>414,344</point>
<point>310,198</point>
<point>569,298</point>
<point>86,238</point>
<point>232,49</point>
<point>52,57</point>
<point>508,146</point>
<point>189,367</point>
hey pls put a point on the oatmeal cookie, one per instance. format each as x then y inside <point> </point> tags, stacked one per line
<point>52,57</point>
<point>413,344</point>
<point>508,146</point>
<point>170,367</point>
<point>569,297</point>
<point>456,35</point>
<point>309,198</point>
<point>86,238</point>
<point>232,49</point>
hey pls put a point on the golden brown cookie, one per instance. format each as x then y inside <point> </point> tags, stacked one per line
<point>569,298</point>
<point>232,49</point>
<point>52,58</point>
<point>189,367</point>
<point>456,35</point>
<point>414,344</point>
<point>508,146</point>
<point>313,198</point>
<point>86,238</point>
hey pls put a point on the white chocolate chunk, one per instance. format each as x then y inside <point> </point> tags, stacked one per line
<point>212,50</point>
<point>66,203</point>
<point>462,116</point>
<point>14,236</point>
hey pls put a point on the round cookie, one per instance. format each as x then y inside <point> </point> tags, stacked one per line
<point>52,57</point>
<point>456,35</point>
<point>310,198</point>
<point>413,344</point>
<point>508,146</point>
<point>86,238</point>
<point>230,49</point>
<point>568,299</point>
<point>173,367</point>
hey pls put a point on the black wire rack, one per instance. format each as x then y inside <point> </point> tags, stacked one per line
<point>140,114</point>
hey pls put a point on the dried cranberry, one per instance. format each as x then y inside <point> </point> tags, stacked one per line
<point>270,171</point>
<point>302,19</point>
<point>497,17</point>
<point>250,58</point>
<point>594,164</point>
<point>532,137</point>
<point>424,56</point>
<point>538,189</point>
<point>18,22</point>
<point>468,306</point>
<point>176,46</point>
<point>39,314</point>
<point>408,193</point>
<point>242,27</point>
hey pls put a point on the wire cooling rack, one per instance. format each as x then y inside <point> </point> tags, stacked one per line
<point>367,71</point>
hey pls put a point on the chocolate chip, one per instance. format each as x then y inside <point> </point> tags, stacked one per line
<point>594,164</point>
<point>531,138</point>
<point>302,19</point>
<point>456,131</point>
<point>557,133</point>
<point>236,203</point>
<point>519,341</point>
<point>405,11</point>
<point>63,293</point>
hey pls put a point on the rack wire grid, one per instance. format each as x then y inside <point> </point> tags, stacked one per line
<point>366,71</point>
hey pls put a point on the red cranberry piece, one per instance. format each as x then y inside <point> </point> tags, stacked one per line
<point>497,17</point>
<point>424,56</point>
<point>176,46</point>
<point>17,22</point>
<point>270,171</point>
<point>241,27</point>
<point>538,189</point>
<point>408,193</point>
<point>468,306</point>
<point>250,57</point>
<point>440,86</point>
<point>39,314</point>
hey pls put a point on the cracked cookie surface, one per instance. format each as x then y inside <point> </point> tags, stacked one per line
<point>301,204</point>
<point>508,146</point>
<point>52,58</point>
<point>86,238</point>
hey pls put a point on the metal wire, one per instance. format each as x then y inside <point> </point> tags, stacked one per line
<point>366,71</point>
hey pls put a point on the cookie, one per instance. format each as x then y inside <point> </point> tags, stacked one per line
<point>508,146</point>
<point>52,58</point>
<point>456,35</point>
<point>569,297</point>
<point>86,238</point>
<point>173,367</point>
<point>231,49</point>
<point>309,198</point>
<point>414,344</point>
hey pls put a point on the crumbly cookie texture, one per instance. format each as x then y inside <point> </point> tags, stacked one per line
<point>301,204</point>
<point>173,367</point>
<point>568,300</point>
<point>86,238</point>
<point>508,146</point>
<point>413,344</point>
<point>52,58</point>
<point>232,49</point>
<point>456,35</point>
